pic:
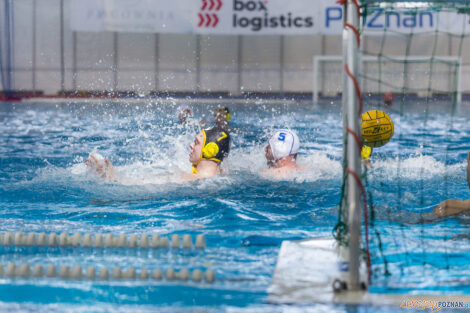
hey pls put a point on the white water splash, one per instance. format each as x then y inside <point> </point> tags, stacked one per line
<point>415,167</point>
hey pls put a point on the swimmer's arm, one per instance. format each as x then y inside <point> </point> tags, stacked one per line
<point>189,177</point>
<point>106,170</point>
<point>451,207</point>
<point>110,173</point>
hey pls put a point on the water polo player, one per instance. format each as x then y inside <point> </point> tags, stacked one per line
<point>221,118</point>
<point>281,152</point>
<point>184,114</point>
<point>210,147</point>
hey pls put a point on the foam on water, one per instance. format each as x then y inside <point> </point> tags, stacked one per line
<point>415,167</point>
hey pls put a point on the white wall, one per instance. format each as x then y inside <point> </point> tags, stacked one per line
<point>185,62</point>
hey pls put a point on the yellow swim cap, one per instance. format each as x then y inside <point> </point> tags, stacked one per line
<point>216,145</point>
<point>366,151</point>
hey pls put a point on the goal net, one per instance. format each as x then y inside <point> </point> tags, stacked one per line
<point>412,64</point>
<point>406,75</point>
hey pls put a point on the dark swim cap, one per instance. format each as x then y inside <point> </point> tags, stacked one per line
<point>216,145</point>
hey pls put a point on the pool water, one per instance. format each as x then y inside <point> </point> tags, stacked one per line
<point>245,215</point>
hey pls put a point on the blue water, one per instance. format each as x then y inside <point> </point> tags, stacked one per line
<point>45,187</point>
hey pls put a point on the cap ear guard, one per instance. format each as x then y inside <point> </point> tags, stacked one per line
<point>210,150</point>
<point>228,116</point>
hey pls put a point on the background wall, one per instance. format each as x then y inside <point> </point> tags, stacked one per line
<point>41,53</point>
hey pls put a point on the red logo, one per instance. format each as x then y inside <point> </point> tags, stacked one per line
<point>207,17</point>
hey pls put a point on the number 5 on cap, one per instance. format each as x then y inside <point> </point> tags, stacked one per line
<point>282,137</point>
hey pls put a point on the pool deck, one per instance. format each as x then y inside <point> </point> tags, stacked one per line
<point>306,269</point>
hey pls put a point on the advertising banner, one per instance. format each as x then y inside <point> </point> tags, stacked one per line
<point>250,17</point>
<point>141,16</point>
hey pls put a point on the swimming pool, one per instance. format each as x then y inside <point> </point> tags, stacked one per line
<point>44,187</point>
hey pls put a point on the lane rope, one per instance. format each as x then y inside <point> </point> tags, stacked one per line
<point>108,240</point>
<point>76,272</point>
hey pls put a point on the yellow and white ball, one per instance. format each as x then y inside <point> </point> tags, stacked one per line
<point>377,128</point>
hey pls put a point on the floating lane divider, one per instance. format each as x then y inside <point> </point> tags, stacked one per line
<point>91,273</point>
<point>101,240</point>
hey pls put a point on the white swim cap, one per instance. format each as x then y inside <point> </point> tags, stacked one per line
<point>283,143</point>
